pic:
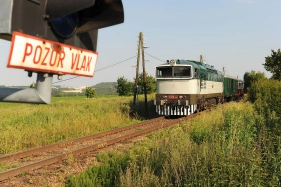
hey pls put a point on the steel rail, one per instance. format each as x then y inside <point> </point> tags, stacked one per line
<point>54,159</point>
<point>39,164</point>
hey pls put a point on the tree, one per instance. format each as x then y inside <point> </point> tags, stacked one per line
<point>252,77</point>
<point>273,64</point>
<point>90,92</point>
<point>150,83</point>
<point>124,87</point>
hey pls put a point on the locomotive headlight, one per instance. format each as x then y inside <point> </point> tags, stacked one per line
<point>182,97</point>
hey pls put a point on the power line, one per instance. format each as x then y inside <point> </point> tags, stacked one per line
<point>111,66</point>
<point>98,69</point>
<point>116,63</point>
<point>65,80</point>
<point>155,57</point>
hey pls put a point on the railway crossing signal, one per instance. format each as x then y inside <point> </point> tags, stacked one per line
<point>53,37</point>
<point>71,22</point>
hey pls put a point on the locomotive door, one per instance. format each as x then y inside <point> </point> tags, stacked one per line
<point>202,81</point>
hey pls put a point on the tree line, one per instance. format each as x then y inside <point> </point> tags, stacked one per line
<point>272,64</point>
<point>127,88</point>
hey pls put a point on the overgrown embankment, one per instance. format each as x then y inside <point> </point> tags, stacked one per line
<point>237,144</point>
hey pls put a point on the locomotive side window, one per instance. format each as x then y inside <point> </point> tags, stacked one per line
<point>195,73</point>
<point>164,72</point>
<point>182,71</point>
<point>213,76</point>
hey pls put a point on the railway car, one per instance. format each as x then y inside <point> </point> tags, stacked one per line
<point>230,88</point>
<point>186,86</point>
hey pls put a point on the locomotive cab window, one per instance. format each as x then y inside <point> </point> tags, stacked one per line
<point>182,71</point>
<point>164,72</point>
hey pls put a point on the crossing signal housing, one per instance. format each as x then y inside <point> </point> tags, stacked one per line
<point>72,22</point>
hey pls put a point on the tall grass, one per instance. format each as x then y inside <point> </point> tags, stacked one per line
<point>225,147</point>
<point>24,126</point>
<point>266,98</point>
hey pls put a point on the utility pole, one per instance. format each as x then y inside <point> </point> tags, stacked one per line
<point>137,72</point>
<point>141,50</point>
<point>144,74</point>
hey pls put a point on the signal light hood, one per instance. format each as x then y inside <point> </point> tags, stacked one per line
<point>92,14</point>
<point>104,13</point>
<point>60,8</point>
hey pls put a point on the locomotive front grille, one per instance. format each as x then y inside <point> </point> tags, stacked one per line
<point>168,110</point>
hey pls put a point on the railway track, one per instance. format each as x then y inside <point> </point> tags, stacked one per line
<point>33,159</point>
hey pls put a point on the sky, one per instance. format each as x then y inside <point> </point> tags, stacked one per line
<point>234,34</point>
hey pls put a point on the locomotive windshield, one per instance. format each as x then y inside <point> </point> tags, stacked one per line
<point>173,71</point>
<point>164,72</point>
<point>182,71</point>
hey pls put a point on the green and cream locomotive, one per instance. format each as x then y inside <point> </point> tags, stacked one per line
<point>186,86</point>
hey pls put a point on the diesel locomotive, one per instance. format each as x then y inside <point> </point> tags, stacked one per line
<point>186,86</point>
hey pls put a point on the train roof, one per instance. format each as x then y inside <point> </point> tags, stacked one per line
<point>198,64</point>
<point>231,77</point>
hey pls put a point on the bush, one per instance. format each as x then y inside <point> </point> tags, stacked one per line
<point>266,96</point>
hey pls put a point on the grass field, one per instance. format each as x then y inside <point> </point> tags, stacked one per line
<point>25,126</point>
